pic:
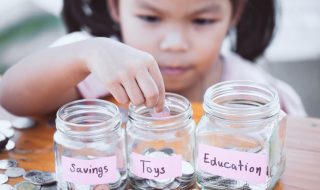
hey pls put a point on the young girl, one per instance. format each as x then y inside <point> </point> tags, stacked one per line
<point>171,45</point>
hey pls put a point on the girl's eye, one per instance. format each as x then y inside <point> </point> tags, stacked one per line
<point>203,21</point>
<point>149,18</point>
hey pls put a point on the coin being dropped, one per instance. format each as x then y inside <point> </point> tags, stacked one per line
<point>164,113</point>
<point>10,145</point>
<point>3,178</point>
<point>15,172</point>
<point>39,178</point>
<point>6,187</point>
<point>23,123</point>
<point>3,141</point>
<point>5,124</point>
<point>5,164</point>
<point>25,185</point>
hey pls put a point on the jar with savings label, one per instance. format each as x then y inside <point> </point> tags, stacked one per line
<point>89,146</point>
<point>161,145</point>
<point>240,139</point>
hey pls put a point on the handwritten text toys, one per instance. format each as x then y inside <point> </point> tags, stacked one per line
<point>90,146</point>
<point>160,145</point>
<point>239,140</point>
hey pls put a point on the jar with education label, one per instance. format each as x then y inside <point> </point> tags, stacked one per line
<point>160,145</point>
<point>240,139</point>
<point>89,146</point>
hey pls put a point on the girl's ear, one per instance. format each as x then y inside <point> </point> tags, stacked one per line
<point>113,6</point>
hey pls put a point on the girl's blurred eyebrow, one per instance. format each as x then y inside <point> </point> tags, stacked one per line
<point>212,8</point>
<point>145,5</point>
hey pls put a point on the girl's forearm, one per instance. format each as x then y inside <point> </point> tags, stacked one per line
<point>43,81</point>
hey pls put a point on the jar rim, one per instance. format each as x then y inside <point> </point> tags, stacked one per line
<point>63,112</point>
<point>268,109</point>
<point>139,118</point>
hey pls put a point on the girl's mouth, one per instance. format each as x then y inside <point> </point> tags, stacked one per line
<point>173,70</point>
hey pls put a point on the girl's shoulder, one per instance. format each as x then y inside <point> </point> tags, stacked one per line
<point>237,68</point>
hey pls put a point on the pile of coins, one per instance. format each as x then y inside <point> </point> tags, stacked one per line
<point>206,180</point>
<point>182,182</point>
<point>7,131</point>
<point>119,184</point>
<point>34,179</point>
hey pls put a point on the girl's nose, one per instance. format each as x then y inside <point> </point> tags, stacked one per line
<point>174,41</point>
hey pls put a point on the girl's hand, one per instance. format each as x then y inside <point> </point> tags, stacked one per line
<point>129,74</point>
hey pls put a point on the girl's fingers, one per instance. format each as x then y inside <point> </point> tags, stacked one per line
<point>148,87</point>
<point>156,75</point>
<point>119,93</point>
<point>133,90</point>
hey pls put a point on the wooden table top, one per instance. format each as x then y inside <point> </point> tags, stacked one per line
<point>34,150</point>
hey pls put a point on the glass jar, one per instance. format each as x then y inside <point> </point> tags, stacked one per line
<point>240,139</point>
<point>89,146</point>
<point>161,145</point>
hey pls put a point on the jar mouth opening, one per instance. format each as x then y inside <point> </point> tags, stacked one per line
<point>241,101</point>
<point>87,116</point>
<point>179,109</point>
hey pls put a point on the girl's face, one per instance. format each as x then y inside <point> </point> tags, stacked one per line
<point>184,36</point>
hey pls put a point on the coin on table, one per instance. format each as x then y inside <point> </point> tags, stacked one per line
<point>3,178</point>
<point>10,145</point>
<point>39,178</point>
<point>5,164</point>
<point>23,123</point>
<point>5,124</point>
<point>25,185</point>
<point>6,187</point>
<point>7,132</point>
<point>3,141</point>
<point>15,172</point>
<point>49,187</point>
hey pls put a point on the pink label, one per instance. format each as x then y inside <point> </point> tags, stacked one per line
<point>156,168</point>
<point>233,164</point>
<point>89,172</point>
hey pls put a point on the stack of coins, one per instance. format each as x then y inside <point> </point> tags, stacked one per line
<point>34,179</point>
<point>7,131</point>
<point>119,184</point>
<point>217,182</point>
<point>182,182</point>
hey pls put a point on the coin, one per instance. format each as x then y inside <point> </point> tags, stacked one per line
<point>3,141</point>
<point>101,187</point>
<point>164,113</point>
<point>25,185</point>
<point>3,178</point>
<point>6,187</point>
<point>49,187</point>
<point>15,172</point>
<point>10,145</point>
<point>157,154</point>
<point>5,124</point>
<point>148,151</point>
<point>7,132</point>
<point>168,151</point>
<point>5,164</point>
<point>187,168</point>
<point>23,123</point>
<point>39,178</point>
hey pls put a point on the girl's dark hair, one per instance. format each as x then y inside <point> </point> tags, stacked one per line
<point>254,30</point>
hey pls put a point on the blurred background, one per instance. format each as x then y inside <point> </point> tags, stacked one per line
<point>294,55</point>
